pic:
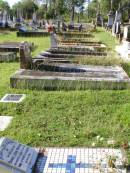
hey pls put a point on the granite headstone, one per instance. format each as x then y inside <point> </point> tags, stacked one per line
<point>16,157</point>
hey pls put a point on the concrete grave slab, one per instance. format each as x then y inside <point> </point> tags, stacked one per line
<point>13,98</point>
<point>71,76</point>
<point>4,122</point>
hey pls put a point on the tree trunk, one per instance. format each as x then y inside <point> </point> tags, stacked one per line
<point>72,15</point>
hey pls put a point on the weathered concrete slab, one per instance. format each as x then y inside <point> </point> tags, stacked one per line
<point>71,76</point>
<point>8,56</point>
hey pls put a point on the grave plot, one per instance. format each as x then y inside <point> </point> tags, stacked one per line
<point>4,122</point>
<point>71,77</point>
<point>80,43</point>
<point>80,160</point>
<point>13,98</point>
<point>25,159</point>
<point>32,34</point>
<point>75,35</point>
<point>9,50</point>
<point>73,52</point>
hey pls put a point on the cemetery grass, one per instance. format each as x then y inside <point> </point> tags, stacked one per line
<point>65,118</point>
<point>41,43</point>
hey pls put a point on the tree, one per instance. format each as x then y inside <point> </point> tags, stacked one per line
<point>71,4</point>
<point>4,5</point>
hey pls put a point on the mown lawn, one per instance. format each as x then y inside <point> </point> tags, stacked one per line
<point>61,118</point>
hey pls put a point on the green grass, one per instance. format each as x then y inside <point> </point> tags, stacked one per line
<point>42,43</point>
<point>62,118</point>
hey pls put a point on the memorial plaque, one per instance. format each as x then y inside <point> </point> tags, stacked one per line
<point>16,157</point>
<point>14,98</point>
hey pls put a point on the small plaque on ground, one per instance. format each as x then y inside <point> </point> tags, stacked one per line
<point>4,122</point>
<point>13,98</point>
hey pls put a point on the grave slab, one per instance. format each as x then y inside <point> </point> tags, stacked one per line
<point>13,98</point>
<point>19,158</point>
<point>71,76</point>
<point>7,56</point>
<point>4,122</point>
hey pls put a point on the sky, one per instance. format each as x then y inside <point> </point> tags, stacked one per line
<point>11,2</point>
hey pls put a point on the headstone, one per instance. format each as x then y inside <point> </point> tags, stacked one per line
<point>25,56</point>
<point>16,157</point>
<point>54,43</point>
<point>117,22</point>
<point>99,20</point>
<point>5,19</point>
<point>127,33</point>
<point>110,19</point>
<point>1,17</point>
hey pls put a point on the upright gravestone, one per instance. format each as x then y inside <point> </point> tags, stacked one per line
<point>110,19</point>
<point>5,19</point>
<point>117,22</point>
<point>99,20</point>
<point>1,17</point>
<point>25,56</point>
<point>16,157</point>
<point>34,19</point>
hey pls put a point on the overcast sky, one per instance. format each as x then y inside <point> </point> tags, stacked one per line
<point>11,2</point>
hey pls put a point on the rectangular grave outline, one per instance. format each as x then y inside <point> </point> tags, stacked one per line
<point>23,96</point>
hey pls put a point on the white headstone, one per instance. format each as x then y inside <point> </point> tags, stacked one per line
<point>127,32</point>
<point>16,157</point>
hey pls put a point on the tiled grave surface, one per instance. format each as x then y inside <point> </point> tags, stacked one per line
<point>4,122</point>
<point>79,160</point>
<point>14,98</point>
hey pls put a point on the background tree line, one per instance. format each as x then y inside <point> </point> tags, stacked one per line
<point>50,9</point>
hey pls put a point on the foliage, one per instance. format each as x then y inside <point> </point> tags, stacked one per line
<point>4,5</point>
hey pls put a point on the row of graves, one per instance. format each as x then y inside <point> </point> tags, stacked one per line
<point>59,68</point>
<point>55,69</point>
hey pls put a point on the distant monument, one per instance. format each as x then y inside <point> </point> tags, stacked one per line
<point>4,20</point>
<point>117,23</point>
<point>99,18</point>
<point>111,16</point>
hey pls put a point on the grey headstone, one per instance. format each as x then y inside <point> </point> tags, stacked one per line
<point>16,157</point>
<point>110,19</point>
<point>53,40</point>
